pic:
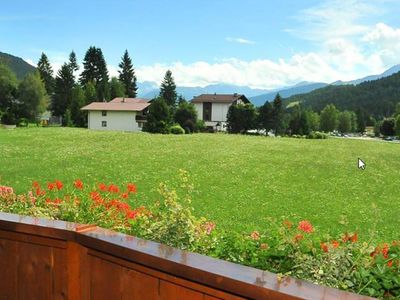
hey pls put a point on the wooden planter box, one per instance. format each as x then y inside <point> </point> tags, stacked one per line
<point>46,259</point>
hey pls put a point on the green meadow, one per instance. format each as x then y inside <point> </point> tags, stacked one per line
<point>240,181</point>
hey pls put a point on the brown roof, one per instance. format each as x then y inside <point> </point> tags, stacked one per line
<point>219,98</point>
<point>130,100</point>
<point>116,106</point>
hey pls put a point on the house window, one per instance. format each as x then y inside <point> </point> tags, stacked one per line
<point>104,113</point>
<point>103,123</point>
<point>207,110</point>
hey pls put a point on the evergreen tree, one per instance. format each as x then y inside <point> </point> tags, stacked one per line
<point>95,70</point>
<point>361,120</point>
<point>32,96</point>
<point>397,110</point>
<point>278,114</point>
<point>264,119</point>
<point>46,73</point>
<point>73,62</point>
<point>117,88</point>
<point>127,75</point>
<point>168,89</point>
<point>63,90</point>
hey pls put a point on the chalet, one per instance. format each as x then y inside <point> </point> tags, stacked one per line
<point>126,114</point>
<point>213,108</point>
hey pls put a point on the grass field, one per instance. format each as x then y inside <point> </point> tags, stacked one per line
<point>240,181</point>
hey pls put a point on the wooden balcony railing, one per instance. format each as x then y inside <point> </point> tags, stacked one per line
<point>46,259</point>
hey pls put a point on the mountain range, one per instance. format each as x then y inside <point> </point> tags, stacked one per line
<point>257,96</point>
<point>148,89</point>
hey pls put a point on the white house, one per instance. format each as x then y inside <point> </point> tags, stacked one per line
<point>213,108</point>
<point>126,114</point>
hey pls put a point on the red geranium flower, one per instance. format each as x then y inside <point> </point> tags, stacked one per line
<point>113,188</point>
<point>78,184</point>
<point>35,184</point>
<point>354,238</point>
<point>51,186</point>
<point>298,237</point>
<point>59,184</point>
<point>125,195</point>
<point>132,188</point>
<point>324,247</point>
<point>255,235</point>
<point>305,226</point>
<point>102,187</point>
<point>335,244</point>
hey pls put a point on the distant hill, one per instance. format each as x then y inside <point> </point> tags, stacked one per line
<point>300,88</point>
<point>377,97</point>
<point>17,65</point>
<point>388,72</point>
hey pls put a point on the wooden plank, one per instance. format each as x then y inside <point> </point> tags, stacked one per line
<point>34,271</point>
<point>170,291</point>
<point>8,269</point>
<point>137,286</point>
<point>59,274</point>
<point>32,239</point>
<point>78,272</point>
<point>112,281</point>
<point>164,276</point>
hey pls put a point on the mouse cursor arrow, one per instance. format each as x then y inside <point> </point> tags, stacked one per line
<point>361,164</point>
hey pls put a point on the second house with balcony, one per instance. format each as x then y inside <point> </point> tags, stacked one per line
<point>213,108</point>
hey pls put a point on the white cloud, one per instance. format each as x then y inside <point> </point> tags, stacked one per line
<point>384,42</point>
<point>261,73</point>
<point>239,40</point>
<point>334,19</point>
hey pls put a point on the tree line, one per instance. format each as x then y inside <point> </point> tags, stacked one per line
<point>65,93</point>
<point>297,119</point>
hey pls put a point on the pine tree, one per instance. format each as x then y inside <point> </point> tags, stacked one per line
<point>95,70</point>
<point>127,76</point>
<point>63,90</point>
<point>278,112</point>
<point>73,62</point>
<point>168,89</point>
<point>46,73</point>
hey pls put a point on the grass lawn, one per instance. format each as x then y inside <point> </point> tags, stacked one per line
<point>240,181</point>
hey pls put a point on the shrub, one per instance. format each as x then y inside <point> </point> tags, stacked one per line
<point>177,129</point>
<point>317,135</point>
<point>23,122</point>
<point>387,127</point>
<point>8,118</point>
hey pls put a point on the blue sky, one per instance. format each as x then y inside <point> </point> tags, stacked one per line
<point>259,43</point>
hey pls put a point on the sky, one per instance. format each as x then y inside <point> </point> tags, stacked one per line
<point>257,43</point>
